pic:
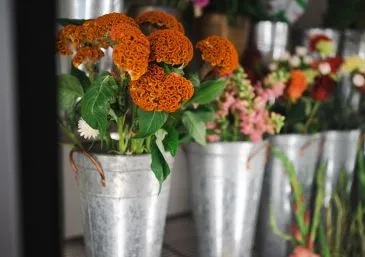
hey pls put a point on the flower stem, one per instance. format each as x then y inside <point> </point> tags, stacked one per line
<point>311,117</point>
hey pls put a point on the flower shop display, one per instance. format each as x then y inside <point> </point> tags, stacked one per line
<point>226,174</point>
<point>127,122</point>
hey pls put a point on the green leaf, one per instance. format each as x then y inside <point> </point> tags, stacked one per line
<point>65,22</point>
<point>209,91</point>
<point>205,112</point>
<point>171,141</point>
<point>150,122</point>
<point>195,127</point>
<point>96,103</point>
<point>69,90</point>
<point>159,165</point>
<point>81,76</point>
<point>194,79</point>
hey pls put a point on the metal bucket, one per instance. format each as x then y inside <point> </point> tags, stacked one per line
<point>340,152</point>
<point>226,180</point>
<point>303,151</point>
<point>334,35</point>
<point>126,218</point>
<point>271,39</point>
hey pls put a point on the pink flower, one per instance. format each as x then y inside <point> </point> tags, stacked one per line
<point>211,125</point>
<point>270,93</point>
<point>301,251</point>
<point>201,3</point>
<point>213,138</point>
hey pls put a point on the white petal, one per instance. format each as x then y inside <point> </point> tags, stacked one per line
<point>358,80</point>
<point>284,56</point>
<point>273,66</point>
<point>301,50</point>
<point>324,68</point>
<point>308,59</point>
<point>294,61</point>
<point>86,131</point>
<point>114,136</point>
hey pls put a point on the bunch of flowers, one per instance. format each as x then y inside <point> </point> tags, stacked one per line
<point>321,45</point>
<point>145,103</point>
<point>354,66</point>
<point>310,82</point>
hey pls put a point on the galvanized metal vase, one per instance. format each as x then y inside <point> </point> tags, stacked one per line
<point>303,151</point>
<point>226,180</point>
<point>126,218</point>
<point>271,39</point>
<point>339,151</point>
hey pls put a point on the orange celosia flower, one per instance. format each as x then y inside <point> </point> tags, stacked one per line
<point>219,52</point>
<point>156,91</point>
<point>128,34</point>
<point>171,47</point>
<point>69,36</point>
<point>297,85</point>
<point>160,19</point>
<point>87,54</point>
<point>132,58</point>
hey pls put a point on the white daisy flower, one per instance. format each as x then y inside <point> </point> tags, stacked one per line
<point>284,56</point>
<point>358,80</point>
<point>307,59</point>
<point>114,136</point>
<point>301,50</point>
<point>294,61</point>
<point>86,131</point>
<point>324,68</point>
<point>273,66</point>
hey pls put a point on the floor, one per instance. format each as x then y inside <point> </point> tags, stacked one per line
<point>181,244</point>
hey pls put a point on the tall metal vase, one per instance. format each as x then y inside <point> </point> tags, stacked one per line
<point>303,152</point>
<point>127,216</point>
<point>226,180</point>
<point>340,152</point>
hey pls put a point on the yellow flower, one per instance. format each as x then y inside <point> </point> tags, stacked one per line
<point>325,48</point>
<point>352,64</point>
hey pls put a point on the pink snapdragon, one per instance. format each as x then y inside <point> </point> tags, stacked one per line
<point>269,94</point>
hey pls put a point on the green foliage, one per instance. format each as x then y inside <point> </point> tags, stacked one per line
<point>194,79</point>
<point>209,91</point>
<point>70,90</point>
<point>81,76</point>
<point>150,122</point>
<point>96,103</point>
<point>65,22</point>
<point>195,127</point>
<point>171,141</point>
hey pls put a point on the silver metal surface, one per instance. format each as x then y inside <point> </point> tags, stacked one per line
<point>226,180</point>
<point>303,151</point>
<point>127,217</point>
<point>353,44</point>
<point>271,39</point>
<point>339,151</point>
<point>334,35</point>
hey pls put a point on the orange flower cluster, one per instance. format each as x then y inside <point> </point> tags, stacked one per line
<point>128,34</point>
<point>87,54</point>
<point>70,35</point>
<point>219,52</point>
<point>297,85</point>
<point>171,47</point>
<point>160,19</point>
<point>156,91</point>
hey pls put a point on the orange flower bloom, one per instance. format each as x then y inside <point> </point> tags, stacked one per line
<point>128,34</point>
<point>87,54</point>
<point>219,52</point>
<point>69,38</point>
<point>171,47</point>
<point>156,91</point>
<point>297,85</point>
<point>160,19</point>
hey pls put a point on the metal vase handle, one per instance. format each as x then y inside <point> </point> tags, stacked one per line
<point>92,159</point>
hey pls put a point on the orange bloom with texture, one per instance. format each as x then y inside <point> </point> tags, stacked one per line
<point>297,85</point>
<point>69,38</point>
<point>87,54</point>
<point>219,52</point>
<point>128,34</point>
<point>160,19</point>
<point>156,91</point>
<point>171,47</point>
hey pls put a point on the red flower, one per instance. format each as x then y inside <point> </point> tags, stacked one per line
<point>313,41</point>
<point>301,251</point>
<point>323,88</point>
<point>334,62</point>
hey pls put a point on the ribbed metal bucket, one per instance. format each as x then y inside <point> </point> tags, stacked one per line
<point>271,39</point>
<point>339,151</point>
<point>226,180</point>
<point>126,218</point>
<point>303,151</point>
<point>334,35</point>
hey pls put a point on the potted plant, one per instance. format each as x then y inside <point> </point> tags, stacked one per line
<point>226,174</point>
<point>126,124</point>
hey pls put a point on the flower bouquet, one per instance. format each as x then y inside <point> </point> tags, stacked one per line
<point>128,120</point>
<point>227,173</point>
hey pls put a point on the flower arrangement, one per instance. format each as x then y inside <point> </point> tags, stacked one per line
<point>355,67</point>
<point>145,103</point>
<point>309,84</point>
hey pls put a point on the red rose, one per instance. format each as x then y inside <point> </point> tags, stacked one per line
<point>301,251</point>
<point>334,62</point>
<point>323,88</point>
<point>313,41</point>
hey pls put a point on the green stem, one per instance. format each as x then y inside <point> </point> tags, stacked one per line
<point>325,250</point>
<point>71,135</point>
<point>337,246</point>
<point>276,230</point>
<point>311,117</point>
<point>122,143</point>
